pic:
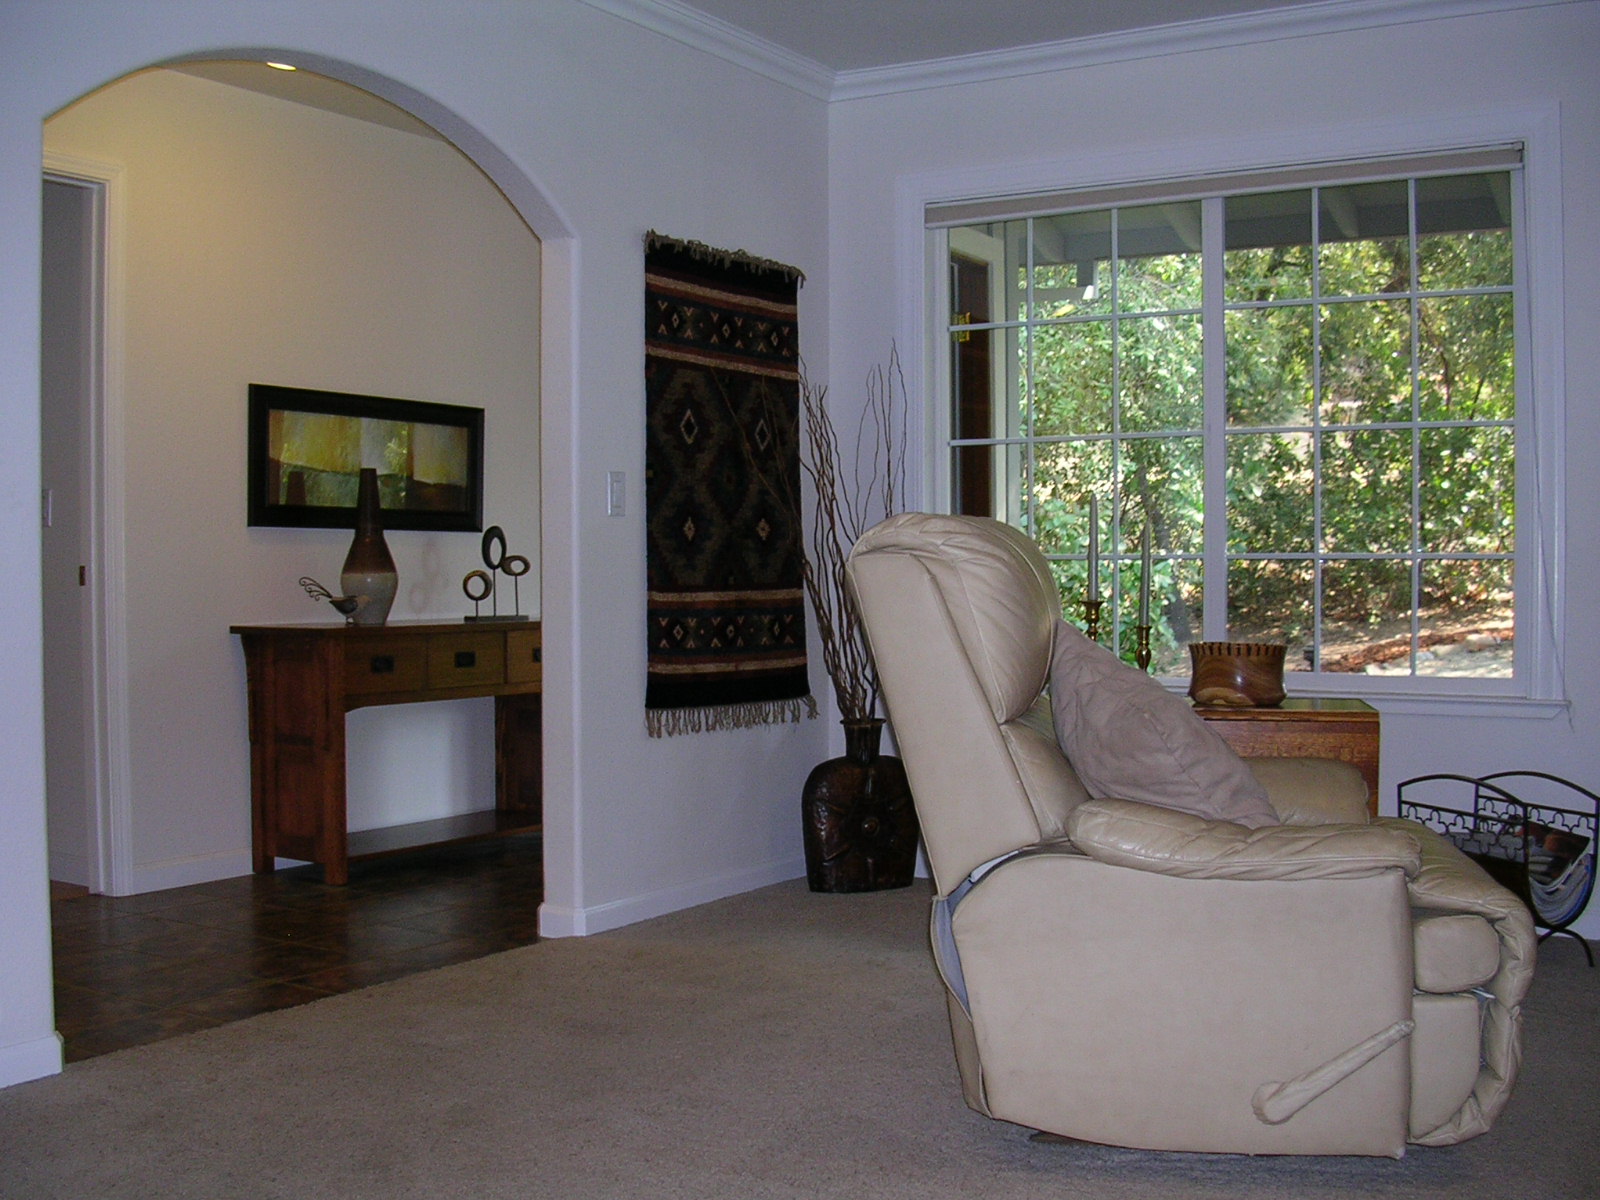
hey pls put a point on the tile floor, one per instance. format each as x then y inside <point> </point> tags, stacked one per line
<point>135,969</point>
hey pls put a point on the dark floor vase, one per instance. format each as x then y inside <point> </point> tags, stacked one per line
<point>860,827</point>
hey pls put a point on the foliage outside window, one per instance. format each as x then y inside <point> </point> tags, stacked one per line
<point>1309,395</point>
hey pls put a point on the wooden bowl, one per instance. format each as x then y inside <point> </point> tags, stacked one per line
<point>1236,674</point>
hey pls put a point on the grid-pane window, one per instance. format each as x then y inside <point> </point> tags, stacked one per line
<point>1305,398</point>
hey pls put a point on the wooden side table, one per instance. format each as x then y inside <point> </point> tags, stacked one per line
<point>1305,727</point>
<point>304,678</point>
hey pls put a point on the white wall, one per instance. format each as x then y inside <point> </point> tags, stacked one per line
<point>1279,101</point>
<point>598,130</point>
<point>265,241</point>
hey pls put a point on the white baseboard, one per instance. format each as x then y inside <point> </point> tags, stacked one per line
<point>30,1060</point>
<point>556,920</point>
<point>182,872</point>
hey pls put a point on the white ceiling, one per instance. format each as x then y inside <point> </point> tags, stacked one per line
<point>850,35</point>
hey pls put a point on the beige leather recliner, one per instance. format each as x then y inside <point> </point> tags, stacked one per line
<point>1127,974</point>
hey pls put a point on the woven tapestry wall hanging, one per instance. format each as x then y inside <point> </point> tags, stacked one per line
<point>727,641</point>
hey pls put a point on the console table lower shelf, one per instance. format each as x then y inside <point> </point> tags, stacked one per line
<point>441,831</point>
<point>304,679</point>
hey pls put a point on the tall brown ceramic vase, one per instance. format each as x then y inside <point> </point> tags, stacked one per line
<point>369,567</point>
<point>860,826</point>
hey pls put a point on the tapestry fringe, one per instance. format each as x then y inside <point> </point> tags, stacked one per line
<point>673,722</point>
<point>723,258</point>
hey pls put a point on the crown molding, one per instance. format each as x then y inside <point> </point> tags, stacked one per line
<point>1211,33</point>
<point>704,32</point>
<point>727,42</point>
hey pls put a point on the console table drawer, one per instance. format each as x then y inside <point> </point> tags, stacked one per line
<point>524,662</point>
<point>373,665</point>
<point>466,660</point>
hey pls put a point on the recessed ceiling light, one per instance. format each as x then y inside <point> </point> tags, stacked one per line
<point>282,66</point>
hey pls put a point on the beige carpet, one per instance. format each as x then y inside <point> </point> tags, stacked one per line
<point>777,1044</point>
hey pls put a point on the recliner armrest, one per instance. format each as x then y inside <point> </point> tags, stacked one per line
<point>1451,882</point>
<point>1130,834</point>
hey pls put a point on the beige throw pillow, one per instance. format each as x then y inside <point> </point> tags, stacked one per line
<point>1129,738</point>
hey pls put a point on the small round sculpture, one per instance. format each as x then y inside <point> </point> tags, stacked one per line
<point>1236,674</point>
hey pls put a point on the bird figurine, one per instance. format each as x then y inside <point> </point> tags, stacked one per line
<point>345,606</point>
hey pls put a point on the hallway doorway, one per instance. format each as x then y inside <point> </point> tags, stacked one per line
<point>307,244</point>
<point>71,370</point>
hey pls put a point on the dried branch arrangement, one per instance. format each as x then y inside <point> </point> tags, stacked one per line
<point>843,513</point>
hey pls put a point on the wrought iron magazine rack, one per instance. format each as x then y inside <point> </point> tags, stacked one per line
<point>1539,841</point>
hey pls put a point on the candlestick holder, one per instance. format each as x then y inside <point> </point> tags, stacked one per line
<point>1141,646</point>
<point>1091,619</point>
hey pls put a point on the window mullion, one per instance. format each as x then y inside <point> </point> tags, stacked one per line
<point>1319,558</point>
<point>940,421</point>
<point>1119,507</point>
<point>1416,429</point>
<point>1214,376</point>
<point>1030,464</point>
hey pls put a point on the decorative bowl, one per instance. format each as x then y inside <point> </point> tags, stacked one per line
<point>1236,674</point>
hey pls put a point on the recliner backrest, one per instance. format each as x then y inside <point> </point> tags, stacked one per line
<point>960,613</point>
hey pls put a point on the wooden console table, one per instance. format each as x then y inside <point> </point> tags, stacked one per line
<point>303,679</point>
<point>1305,727</point>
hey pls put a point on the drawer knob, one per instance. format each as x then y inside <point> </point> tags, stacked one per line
<point>382,664</point>
<point>538,654</point>
<point>466,659</point>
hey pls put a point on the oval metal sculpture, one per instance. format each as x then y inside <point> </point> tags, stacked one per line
<point>479,585</point>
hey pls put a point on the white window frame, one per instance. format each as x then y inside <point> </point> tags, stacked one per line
<point>1538,685</point>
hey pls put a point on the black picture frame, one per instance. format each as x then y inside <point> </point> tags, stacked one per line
<point>347,431</point>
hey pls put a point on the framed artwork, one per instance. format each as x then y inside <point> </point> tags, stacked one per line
<point>307,449</point>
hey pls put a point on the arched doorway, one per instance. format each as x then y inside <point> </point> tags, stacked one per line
<point>435,578</point>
